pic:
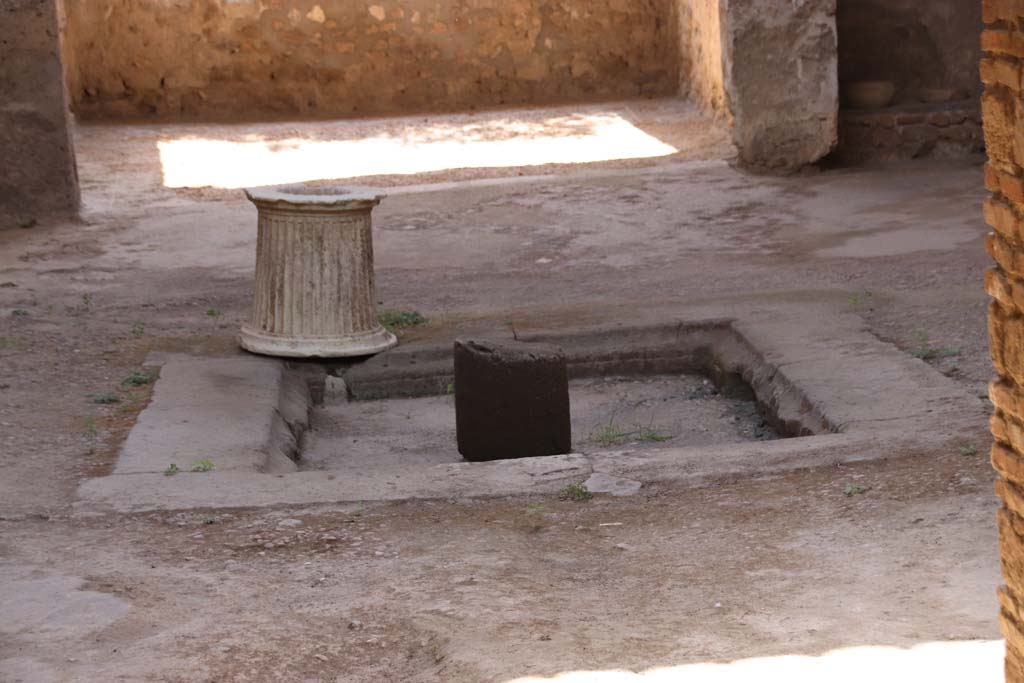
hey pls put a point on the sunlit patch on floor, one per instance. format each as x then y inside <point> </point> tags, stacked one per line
<point>246,161</point>
<point>938,662</point>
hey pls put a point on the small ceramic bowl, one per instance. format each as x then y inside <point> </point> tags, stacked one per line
<point>936,94</point>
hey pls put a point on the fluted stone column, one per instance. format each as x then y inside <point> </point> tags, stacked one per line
<point>314,274</point>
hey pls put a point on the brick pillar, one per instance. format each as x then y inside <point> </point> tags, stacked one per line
<point>37,163</point>
<point>1003,116</point>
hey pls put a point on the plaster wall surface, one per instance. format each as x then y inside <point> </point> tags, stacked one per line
<point>701,75</point>
<point>37,167</point>
<point>251,59</point>
<point>780,64</point>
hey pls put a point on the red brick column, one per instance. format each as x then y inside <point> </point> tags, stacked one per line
<point>1003,115</point>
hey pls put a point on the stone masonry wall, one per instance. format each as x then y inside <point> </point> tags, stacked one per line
<point>37,166</point>
<point>249,59</point>
<point>1003,119</point>
<point>767,68</point>
<point>780,64</point>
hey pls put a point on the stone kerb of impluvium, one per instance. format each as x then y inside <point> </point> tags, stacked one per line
<point>314,293</point>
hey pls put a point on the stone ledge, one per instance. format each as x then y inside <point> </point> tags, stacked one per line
<point>910,131</point>
<point>241,413</point>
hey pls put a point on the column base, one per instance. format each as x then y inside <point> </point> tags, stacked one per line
<point>361,344</point>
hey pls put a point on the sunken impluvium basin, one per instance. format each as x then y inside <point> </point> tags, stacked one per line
<point>710,349</point>
<point>314,293</point>
<point>637,388</point>
<point>283,432</point>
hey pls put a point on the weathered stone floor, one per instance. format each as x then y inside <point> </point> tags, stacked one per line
<point>498,590</point>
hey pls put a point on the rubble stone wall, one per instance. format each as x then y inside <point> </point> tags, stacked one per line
<point>252,59</point>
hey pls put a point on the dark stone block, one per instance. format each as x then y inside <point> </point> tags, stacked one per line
<point>511,400</point>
